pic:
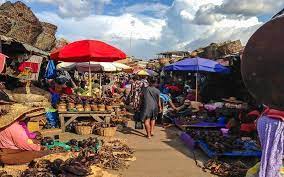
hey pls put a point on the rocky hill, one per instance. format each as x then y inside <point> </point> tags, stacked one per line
<point>19,22</point>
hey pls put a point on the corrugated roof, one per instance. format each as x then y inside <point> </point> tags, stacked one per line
<point>28,47</point>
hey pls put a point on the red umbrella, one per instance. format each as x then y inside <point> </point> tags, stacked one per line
<point>88,50</point>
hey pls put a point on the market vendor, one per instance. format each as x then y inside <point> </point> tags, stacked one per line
<point>58,87</point>
<point>16,143</point>
<point>167,104</point>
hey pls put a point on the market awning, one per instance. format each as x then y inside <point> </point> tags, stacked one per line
<point>28,47</point>
<point>94,66</point>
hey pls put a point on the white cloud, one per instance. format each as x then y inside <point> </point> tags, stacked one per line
<point>156,9</point>
<point>192,24</point>
<point>115,30</point>
<point>251,7</point>
<point>185,25</point>
<point>76,8</point>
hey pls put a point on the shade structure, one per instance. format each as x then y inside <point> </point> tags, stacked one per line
<point>88,50</point>
<point>197,64</point>
<point>94,66</point>
<point>145,72</point>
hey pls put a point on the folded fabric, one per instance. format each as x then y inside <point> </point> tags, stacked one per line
<point>248,127</point>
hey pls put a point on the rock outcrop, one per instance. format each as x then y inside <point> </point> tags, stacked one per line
<point>46,40</point>
<point>215,51</point>
<point>19,22</point>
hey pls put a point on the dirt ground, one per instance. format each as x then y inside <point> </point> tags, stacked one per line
<point>162,156</point>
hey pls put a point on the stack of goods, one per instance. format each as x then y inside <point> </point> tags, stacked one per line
<point>37,97</point>
<point>202,134</point>
<point>113,155</point>
<point>85,104</point>
<point>233,103</point>
<point>187,120</point>
<point>120,122</point>
<point>89,127</point>
<point>237,169</point>
<point>214,143</point>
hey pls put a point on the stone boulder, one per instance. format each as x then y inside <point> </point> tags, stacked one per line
<point>20,23</point>
<point>46,40</point>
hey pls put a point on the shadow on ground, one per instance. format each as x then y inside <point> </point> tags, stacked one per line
<point>174,141</point>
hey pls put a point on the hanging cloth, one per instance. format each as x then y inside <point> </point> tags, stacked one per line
<point>32,66</point>
<point>50,70</point>
<point>2,62</point>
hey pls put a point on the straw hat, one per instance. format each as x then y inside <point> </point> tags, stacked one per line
<point>233,100</point>
<point>16,112</point>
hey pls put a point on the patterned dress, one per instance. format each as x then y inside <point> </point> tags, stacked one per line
<point>135,94</point>
<point>271,135</point>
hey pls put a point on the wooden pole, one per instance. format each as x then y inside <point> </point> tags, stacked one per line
<point>90,79</point>
<point>100,84</point>
<point>196,87</point>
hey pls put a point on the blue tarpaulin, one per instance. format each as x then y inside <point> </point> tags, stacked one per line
<point>50,70</point>
<point>197,64</point>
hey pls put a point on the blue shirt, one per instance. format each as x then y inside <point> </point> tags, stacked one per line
<point>165,97</point>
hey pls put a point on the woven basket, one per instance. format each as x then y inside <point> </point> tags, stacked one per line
<point>109,108</point>
<point>107,132</point>
<point>84,130</point>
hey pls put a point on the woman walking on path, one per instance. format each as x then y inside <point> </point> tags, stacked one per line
<point>150,107</point>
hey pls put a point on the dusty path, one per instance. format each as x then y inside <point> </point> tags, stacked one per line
<point>162,156</point>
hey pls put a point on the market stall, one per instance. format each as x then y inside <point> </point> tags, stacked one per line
<point>87,56</point>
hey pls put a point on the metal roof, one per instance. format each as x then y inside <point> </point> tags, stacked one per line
<point>28,47</point>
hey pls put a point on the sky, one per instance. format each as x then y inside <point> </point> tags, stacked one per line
<point>143,28</point>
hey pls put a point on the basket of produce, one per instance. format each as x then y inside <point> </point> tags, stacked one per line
<point>84,129</point>
<point>101,107</point>
<point>80,108</point>
<point>109,108</point>
<point>107,132</point>
<point>94,107</point>
<point>71,106</point>
<point>88,108</point>
<point>62,107</point>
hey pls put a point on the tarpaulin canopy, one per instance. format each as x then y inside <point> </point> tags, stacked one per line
<point>88,50</point>
<point>94,66</point>
<point>197,64</point>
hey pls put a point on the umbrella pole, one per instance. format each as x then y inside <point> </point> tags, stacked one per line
<point>90,79</point>
<point>100,84</point>
<point>196,87</point>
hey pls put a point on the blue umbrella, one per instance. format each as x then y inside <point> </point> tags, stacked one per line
<point>197,64</point>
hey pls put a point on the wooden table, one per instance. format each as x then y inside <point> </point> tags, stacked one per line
<point>96,115</point>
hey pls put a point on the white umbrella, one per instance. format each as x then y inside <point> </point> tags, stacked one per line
<point>121,66</point>
<point>65,66</point>
<point>94,66</point>
<point>97,67</point>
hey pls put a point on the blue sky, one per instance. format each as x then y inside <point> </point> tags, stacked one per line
<point>143,28</point>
